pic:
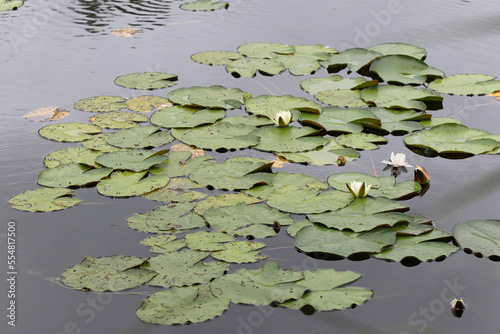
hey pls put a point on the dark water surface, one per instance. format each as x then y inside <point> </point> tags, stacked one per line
<point>57,52</point>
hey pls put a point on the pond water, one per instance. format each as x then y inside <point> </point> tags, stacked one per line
<point>59,53</point>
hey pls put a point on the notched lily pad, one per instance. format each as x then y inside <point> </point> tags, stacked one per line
<point>177,190</point>
<point>71,175</point>
<point>128,183</point>
<point>118,120</point>
<point>44,200</point>
<point>140,137</point>
<point>400,49</point>
<point>355,59</point>
<point>248,67</point>
<point>481,237</point>
<point>288,139</point>
<point>204,5</point>
<point>269,105</point>
<point>163,243</point>
<point>147,80</point>
<point>69,132</point>
<point>216,57</point>
<point>100,104</point>
<point>134,160</point>
<point>147,103</point>
<point>466,84</point>
<point>404,70</point>
<point>241,252</point>
<point>217,97</point>
<point>186,117</point>
<point>399,97</point>
<point>80,155</point>
<point>361,141</point>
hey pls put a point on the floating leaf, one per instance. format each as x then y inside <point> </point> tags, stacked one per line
<point>265,50</point>
<point>69,132</point>
<point>321,239</point>
<point>100,104</point>
<point>479,236</point>
<point>171,218</point>
<point>112,273</point>
<point>397,121</point>
<point>295,227</point>
<point>252,120</point>
<point>361,141</point>
<point>140,137</point>
<point>80,155</point>
<point>46,114</point>
<point>99,143</point>
<point>358,222</point>
<point>339,120</point>
<point>147,80</point>
<point>180,163</point>
<point>339,180</point>
<point>217,97</point>
<point>435,121</point>
<point>219,136</point>
<point>259,287</point>
<point>224,200</point>
<point>424,247</point>
<point>316,85</point>
<point>185,117</point>
<point>393,190</point>
<point>126,32</point>
<point>10,5</point>
<point>147,103</point>
<point>342,98</point>
<point>216,57</point>
<point>355,59</point>
<point>71,175</point>
<point>399,97</point>
<point>184,268</point>
<point>44,199</point>
<point>181,305</point>
<point>269,105</point>
<point>204,5</point>
<point>300,64</point>
<point>248,67</point>
<point>451,140</point>
<point>400,49</point>
<point>320,51</point>
<point>177,190</point>
<point>307,200</point>
<point>127,183</point>
<point>288,139</point>
<point>207,241</point>
<point>241,252</point>
<point>163,243</point>
<point>466,84</point>
<point>118,120</point>
<point>134,160</point>
<point>405,70</point>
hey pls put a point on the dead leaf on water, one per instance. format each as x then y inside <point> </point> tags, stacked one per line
<point>46,114</point>
<point>126,32</point>
<point>195,152</point>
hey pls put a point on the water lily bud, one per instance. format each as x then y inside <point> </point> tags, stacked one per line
<point>457,307</point>
<point>282,118</point>
<point>358,189</point>
<point>276,226</point>
<point>421,176</point>
<point>341,160</point>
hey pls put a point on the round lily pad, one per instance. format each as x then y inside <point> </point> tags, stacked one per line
<point>482,237</point>
<point>204,5</point>
<point>69,132</point>
<point>186,117</point>
<point>216,57</point>
<point>140,137</point>
<point>217,97</point>
<point>44,200</point>
<point>466,84</point>
<point>80,155</point>
<point>147,80</point>
<point>134,160</point>
<point>127,183</point>
<point>404,70</point>
<point>118,120</point>
<point>100,104</point>
<point>147,103</point>
<point>400,49</point>
<point>71,175</point>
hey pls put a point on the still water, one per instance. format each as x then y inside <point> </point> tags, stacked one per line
<point>55,53</point>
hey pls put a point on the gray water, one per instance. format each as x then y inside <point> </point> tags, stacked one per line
<point>58,53</point>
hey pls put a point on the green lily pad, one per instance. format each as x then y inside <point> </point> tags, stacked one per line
<point>241,252</point>
<point>204,5</point>
<point>233,174</point>
<point>435,121</point>
<point>400,49</point>
<point>184,268</point>
<point>315,85</point>
<point>285,178</point>
<point>71,175</point>
<point>207,241</point>
<point>318,238</point>
<point>451,140</point>
<point>466,84</point>
<point>358,222</point>
<point>127,183</point>
<point>44,200</point>
<point>404,70</point>
<point>164,243</point>
<point>295,227</point>
<point>112,273</point>
<point>216,57</point>
<point>296,199</point>
<point>217,97</point>
<point>177,190</point>
<point>265,50</point>
<point>482,237</point>
<point>300,64</point>
<point>367,206</point>
<point>10,5</point>
<point>80,155</point>
<point>224,200</point>
<point>185,117</point>
<point>170,218</point>
<point>218,136</point>
<point>99,144</point>
<point>69,132</point>
<point>181,305</point>
<point>261,286</point>
<point>342,98</point>
<point>181,163</point>
<point>361,141</point>
<point>269,105</point>
<point>100,104</point>
<point>288,139</point>
<point>335,120</point>
<point>397,121</point>
<point>147,80</point>
<point>118,120</point>
<point>146,103</point>
<point>140,137</point>
<point>399,97</point>
<point>248,67</point>
<point>320,51</point>
<point>424,247</point>
<point>393,190</point>
<point>354,59</point>
<point>134,160</point>
<point>252,120</point>
<point>330,154</point>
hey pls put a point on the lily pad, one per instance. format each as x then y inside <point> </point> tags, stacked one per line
<point>204,5</point>
<point>71,175</point>
<point>217,97</point>
<point>46,114</point>
<point>185,117</point>
<point>321,239</point>
<point>466,84</point>
<point>164,243</point>
<point>330,154</point>
<point>181,305</point>
<point>288,139</point>
<point>170,218</point>
<point>216,57</point>
<point>252,120</point>
<point>404,70</point>
<point>146,103</point>
<point>400,49</point>
<point>342,98</point>
<point>451,140</point>
<point>207,241</point>
<point>354,59</point>
<point>300,64</point>
<point>100,104</point>
<point>261,286</point>
<point>269,105</point>
<point>295,227</point>
<point>10,5</point>
<point>44,200</point>
<point>118,120</point>
<point>358,222</point>
<point>80,155</point>
<point>177,190</point>
<point>241,252</point>
<point>248,67</point>
<point>134,160</point>
<point>127,183</point>
<point>98,143</point>
<point>181,163</point>
<point>147,80</point>
<point>397,121</point>
<point>336,120</point>
<point>435,121</point>
<point>399,97</point>
<point>113,273</point>
<point>140,137</point>
<point>224,200</point>
<point>316,85</point>
<point>482,237</point>
<point>265,50</point>
<point>361,141</point>
<point>69,132</point>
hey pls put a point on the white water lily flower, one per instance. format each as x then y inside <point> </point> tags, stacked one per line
<point>282,118</point>
<point>397,160</point>
<point>359,189</point>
